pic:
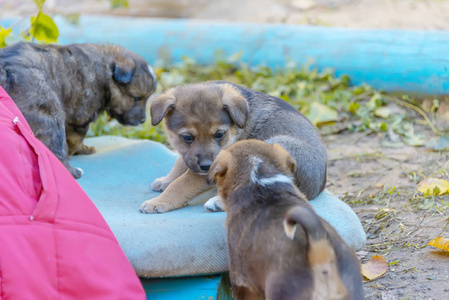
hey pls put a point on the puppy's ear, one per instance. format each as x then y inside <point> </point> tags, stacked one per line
<point>219,167</point>
<point>236,105</point>
<point>123,68</point>
<point>288,160</point>
<point>161,106</point>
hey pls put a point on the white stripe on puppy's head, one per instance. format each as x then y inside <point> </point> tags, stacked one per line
<point>278,178</point>
<point>255,162</point>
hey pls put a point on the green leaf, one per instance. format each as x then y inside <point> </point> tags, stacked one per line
<point>435,105</point>
<point>235,57</point>
<point>414,140</point>
<point>39,3</point>
<point>382,112</point>
<point>72,18</point>
<point>436,191</point>
<point>354,107</point>
<point>43,28</point>
<point>438,144</point>
<point>119,3</point>
<point>391,190</point>
<point>320,114</point>
<point>3,34</point>
<point>358,90</point>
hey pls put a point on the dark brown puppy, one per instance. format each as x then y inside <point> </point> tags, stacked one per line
<point>61,89</point>
<point>278,246</point>
<point>203,118</point>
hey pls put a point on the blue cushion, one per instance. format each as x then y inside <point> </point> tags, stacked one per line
<point>188,241</point>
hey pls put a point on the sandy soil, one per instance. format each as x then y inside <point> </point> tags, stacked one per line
<point>403,14</point>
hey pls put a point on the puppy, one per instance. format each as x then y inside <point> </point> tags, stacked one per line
<point>201,119</point>
<point>62,89</point>
<point>278,246</point>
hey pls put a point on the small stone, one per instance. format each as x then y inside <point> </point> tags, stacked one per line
<point>414,276</point>
<point>431,277</point>
<point>392,275</point>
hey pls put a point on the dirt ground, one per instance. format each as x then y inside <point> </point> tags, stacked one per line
<point>379,182</point>
<point>398,222</point>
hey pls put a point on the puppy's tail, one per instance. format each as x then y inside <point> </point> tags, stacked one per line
<point>307,218</point>
<point>320,252</point>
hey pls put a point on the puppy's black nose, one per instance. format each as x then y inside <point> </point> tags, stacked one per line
<point>205,167</point>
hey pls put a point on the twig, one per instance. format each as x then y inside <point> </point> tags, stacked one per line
<point>383,244</point>
<point>418,110</point>
<point>444,229</point>
<point>35,24</point>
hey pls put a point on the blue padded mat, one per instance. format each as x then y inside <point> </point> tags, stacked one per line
<point>188,241</point>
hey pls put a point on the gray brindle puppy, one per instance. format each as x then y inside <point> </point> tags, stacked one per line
<point>203,118</point>
<point>62,89</point>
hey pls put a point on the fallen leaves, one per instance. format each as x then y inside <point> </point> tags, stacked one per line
<point>375,268</point>
<point>382,112</point>
<point>441,243</point>
<point>440,143</point>
<point>434,186</point>
<point>3,34</point>
<point>320,114</point>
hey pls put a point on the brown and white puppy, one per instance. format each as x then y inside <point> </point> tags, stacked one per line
<point>201,119</point>
<point>278,246</point>
<point>61,89</point>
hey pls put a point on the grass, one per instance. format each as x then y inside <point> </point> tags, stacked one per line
<point>330,102</point>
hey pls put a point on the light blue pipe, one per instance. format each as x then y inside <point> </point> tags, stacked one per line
<point>391,60</point>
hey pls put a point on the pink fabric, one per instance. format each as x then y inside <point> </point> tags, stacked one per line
<point>54,243</point>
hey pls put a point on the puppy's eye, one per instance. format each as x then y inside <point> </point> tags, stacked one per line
<point>219,134</point>
<point>137,99</point>
<point>187,138</point>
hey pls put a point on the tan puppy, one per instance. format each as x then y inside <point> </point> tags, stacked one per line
<point>202,119</point>
<point>278,246</point>
<point>62,89</point>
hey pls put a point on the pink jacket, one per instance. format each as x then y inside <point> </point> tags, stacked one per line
<point>54,243</point>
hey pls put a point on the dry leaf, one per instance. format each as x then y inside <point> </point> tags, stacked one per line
<point>376,267</point>
<point>435,186</point>
<point>320,114</point>
<point>440,242</point>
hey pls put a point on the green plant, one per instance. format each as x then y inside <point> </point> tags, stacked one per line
<point>42,28</point>
<point>330,102</point>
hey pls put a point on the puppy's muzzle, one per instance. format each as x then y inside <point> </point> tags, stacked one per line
<point>205,167</point>
<point>133,118</point>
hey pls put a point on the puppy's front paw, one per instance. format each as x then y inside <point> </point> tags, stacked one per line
<point>215,204</point>
<point>160,184</point>
<point>156,206</point>
<point>85,150</point>
<point>76,172</point>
